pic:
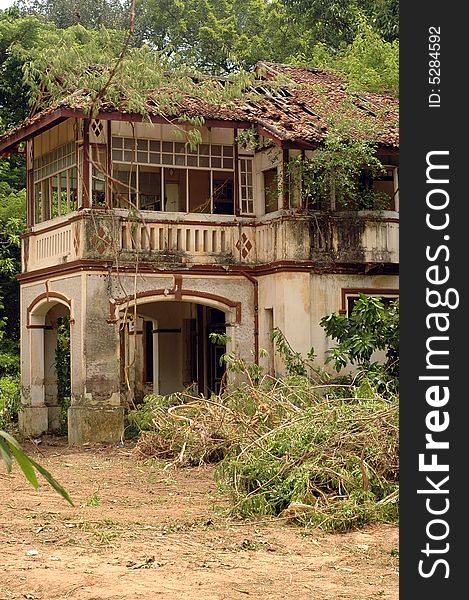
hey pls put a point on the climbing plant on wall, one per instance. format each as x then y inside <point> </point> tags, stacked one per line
<point>338,173</point>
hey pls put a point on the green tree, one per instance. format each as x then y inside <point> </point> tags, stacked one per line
<point>335,23</point>
<point>92,14</point>
<point>217,36</point>
<point>22,34</point>
<point>370,62</point>
<point>12,221</point>
<point>370,327</point>
<point>385,18</point>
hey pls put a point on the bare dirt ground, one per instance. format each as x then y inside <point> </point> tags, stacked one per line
<point>141,531</point>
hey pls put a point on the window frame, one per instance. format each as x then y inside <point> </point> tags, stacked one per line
<point>349,293</point>
<point>138,147</point>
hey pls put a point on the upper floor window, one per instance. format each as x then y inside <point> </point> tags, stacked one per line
<point>98,174</point>
<point>246,186</point>
<point>384,188</point>
<point>271,190</point>
<point>176,154</point>
<point>55,183</point>
<point>169,176</point>
<point>350,298</point>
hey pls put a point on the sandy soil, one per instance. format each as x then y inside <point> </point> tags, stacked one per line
<point>141,531</point>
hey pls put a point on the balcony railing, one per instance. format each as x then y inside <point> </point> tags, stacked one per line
<point>363,237</point>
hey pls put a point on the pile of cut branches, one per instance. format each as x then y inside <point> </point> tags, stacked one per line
<point>310,453</point>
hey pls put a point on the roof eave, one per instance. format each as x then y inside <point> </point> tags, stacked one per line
<point>10,144</point>
<point>42,123</point>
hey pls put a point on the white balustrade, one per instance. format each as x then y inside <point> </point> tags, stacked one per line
<point>189,238</point>
<point>50,247</point>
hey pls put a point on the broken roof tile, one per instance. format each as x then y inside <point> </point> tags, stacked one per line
<point>287,111</point>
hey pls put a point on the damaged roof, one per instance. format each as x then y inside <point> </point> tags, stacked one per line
<point>294,111</point>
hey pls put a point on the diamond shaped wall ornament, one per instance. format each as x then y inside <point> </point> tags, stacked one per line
<point>76,237</point>
<point>100,240</point>
<point>244,244</point>
<point>97,127</point>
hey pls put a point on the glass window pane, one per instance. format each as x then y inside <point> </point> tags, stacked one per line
<point>129,155</point>
<point>204,149</point>
<point>167,146</point>
<point>149,181</point>
<point>142,144</point>
<point>216,163</point>
<point>142,157</point>
<point>154,146</point>
<point>117,155</point>
<point>192,161</point>
<point>155,158</point>
<point>227,163</point>
<point>199,191</point>
<point>129,143</point>
<point>203,161</point>
<point>180,147</point>
<point>215,150</point>
<point>227,150</point>
<point>223,193</point>
<point>167,159</point>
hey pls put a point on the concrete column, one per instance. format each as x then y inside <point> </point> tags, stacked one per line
<point>33,418</point>
<point>139,364</point>
<point>135,359</point>
<point>96,413</point>
<point>156,359</point>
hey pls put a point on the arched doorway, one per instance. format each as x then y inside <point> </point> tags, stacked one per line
<point>166,347</point>
<point>45,370</point>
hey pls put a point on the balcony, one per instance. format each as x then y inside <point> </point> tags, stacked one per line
<point>176,240</point>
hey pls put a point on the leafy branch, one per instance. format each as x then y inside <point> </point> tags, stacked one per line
<point>10,450</point>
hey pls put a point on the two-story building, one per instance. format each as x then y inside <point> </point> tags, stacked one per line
<point>149,244</point>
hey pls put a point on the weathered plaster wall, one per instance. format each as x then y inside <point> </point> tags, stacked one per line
<point>296,300</point>
<point>300,300</point>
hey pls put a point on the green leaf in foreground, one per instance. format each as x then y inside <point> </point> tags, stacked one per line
<point>9,449</point>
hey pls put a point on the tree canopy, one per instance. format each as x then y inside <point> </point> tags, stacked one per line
<point>219,36</point>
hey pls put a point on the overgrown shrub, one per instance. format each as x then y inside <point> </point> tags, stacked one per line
<point>10,400</point>
<point>370,327</point>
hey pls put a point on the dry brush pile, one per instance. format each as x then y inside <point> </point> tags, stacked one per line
<point>314,454</point>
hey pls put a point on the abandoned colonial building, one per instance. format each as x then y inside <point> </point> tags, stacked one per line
<point>147,245</point>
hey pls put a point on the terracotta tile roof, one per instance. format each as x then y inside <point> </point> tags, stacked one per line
<point>296,110</point>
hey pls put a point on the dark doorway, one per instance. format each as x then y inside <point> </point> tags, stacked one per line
<point>215,370</point>
<point>209,370</point>
<point>148,341</point>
